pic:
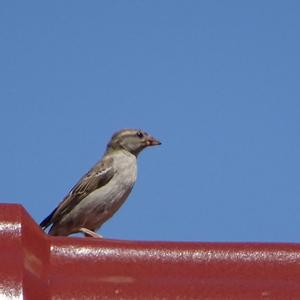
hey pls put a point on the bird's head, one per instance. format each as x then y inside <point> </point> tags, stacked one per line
<point>131,140</point>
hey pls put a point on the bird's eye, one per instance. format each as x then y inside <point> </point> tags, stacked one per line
<point>140,134</point>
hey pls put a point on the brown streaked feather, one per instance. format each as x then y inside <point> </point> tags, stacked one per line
<point>98,176</point>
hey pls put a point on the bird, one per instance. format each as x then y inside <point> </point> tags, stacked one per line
<point>103,189</point>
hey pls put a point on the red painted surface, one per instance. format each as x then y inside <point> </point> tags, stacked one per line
<point>36,266</point>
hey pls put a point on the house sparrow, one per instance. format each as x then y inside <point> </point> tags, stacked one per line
<point>101,191</point>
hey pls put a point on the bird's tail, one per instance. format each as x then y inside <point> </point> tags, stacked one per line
<point>48,221</point>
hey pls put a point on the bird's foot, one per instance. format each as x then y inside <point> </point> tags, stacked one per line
<point>90,233</point>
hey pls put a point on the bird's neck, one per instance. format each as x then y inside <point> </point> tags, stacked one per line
<point>110,150</point>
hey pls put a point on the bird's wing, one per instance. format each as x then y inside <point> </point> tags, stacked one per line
<point>97,177</point>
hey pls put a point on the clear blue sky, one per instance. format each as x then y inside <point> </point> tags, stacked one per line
<point>216,81</point>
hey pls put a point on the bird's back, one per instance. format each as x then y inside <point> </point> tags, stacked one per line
<point>98,206</point>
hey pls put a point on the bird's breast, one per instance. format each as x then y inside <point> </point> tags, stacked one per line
<point>125,168</point>
<point>115,192</point>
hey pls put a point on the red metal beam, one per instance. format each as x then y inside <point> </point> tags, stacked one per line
<point>36,266</point>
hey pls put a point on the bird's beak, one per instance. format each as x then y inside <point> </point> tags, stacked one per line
<point>151,141</point>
